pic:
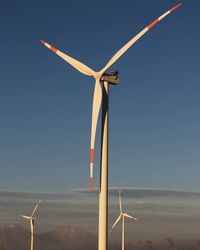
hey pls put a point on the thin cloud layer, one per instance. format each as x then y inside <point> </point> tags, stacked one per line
<point>162,213</point>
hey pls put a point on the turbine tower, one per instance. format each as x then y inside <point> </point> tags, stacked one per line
<point>122,216</point>
<point>98,98</point>
<point>32,220</point>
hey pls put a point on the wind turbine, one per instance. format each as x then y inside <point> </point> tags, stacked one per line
<point>111,78</point>
<point>122,216</point>
<point>32,220</point>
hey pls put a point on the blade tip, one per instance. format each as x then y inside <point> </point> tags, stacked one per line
<point>49,46</point>
<point>91,168</point>
<point>42,41</point>
<point>175,7</point>
<point>91,184</point>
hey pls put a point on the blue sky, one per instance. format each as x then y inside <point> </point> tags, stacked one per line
<point>45,114</point>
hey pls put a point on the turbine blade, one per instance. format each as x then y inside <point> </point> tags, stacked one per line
<point>115,223</point>
<point>34,210</point>
<point>97,99</point>
<point>25,217</point>
<point>73,62</point>
<point>135,38</point>
<point>129,216</point>
<point>120,202</point>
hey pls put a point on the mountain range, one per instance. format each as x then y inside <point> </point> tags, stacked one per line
<point>14,237</point>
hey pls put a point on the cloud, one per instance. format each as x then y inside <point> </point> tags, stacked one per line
<point>161,212</point>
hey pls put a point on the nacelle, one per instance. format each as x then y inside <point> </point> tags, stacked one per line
<point>111,77</point>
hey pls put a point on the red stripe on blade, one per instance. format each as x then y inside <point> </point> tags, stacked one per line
<point>91,184</point>
<point>91,155</point>
<point>53,49</point>
<point>153,23</point>
<point>175,7</point>
<point>42,41</point>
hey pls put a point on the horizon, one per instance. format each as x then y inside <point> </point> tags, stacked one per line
<point>161,213</point>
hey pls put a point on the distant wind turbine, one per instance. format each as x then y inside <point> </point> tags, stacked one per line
<point>98,98</point>
<point>32,220</point>
<point>122,216</point>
